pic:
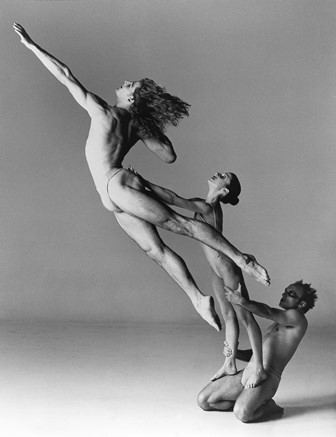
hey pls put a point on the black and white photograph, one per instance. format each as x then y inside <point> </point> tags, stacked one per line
<point>168,211</point>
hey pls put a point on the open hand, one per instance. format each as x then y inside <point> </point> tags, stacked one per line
<point>233,296</point>
<point>25,38</point>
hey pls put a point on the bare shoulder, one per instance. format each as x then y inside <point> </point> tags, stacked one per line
<point>206,213</point>
<point>297,318</point>
<point>97,105</point>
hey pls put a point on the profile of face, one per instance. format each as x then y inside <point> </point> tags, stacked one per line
<point>125,93</point>
<point>221,184</point>
<point>220,180</point>
<point>292,297</point>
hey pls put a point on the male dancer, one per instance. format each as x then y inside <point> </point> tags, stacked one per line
<point>280,343</point>
<point>142,111</point>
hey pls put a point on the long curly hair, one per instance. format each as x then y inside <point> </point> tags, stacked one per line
<point>154,109</point>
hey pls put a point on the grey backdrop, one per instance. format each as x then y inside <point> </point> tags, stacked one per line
<point>260,76</point>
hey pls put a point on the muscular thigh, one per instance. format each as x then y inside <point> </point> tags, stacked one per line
<point>128,192</point>
<point>142,232</point>
<point>227,388</point>
<point>252,398</point>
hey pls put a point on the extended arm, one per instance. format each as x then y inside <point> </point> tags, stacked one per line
<point>195,204</point>
<point>87,100</point>
<point>288,318</point>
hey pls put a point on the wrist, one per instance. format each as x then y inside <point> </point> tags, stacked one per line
<point>31,45</point>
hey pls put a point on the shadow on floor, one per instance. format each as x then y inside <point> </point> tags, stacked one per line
<point>315,404</point>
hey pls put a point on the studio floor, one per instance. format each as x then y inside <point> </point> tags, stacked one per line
<point>76,379</point>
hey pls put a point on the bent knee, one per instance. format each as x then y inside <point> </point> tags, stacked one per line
<point>202,401</point>
<point>243,414</point>
<point>155,252</point>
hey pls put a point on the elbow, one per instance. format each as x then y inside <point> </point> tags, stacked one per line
<point>169,159</point>
<point>66,71</point>
<point>63,74</point>
<point>168,156</point>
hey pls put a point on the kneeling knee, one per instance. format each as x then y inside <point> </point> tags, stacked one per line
<point>243,414</point>
<point>202,401</point>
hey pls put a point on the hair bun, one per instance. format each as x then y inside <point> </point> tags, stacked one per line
<point>234,201</point>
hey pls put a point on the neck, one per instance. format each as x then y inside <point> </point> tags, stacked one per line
<point>122,105</point>
<point>212,199</point>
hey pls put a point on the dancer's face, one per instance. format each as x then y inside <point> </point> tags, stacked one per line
<point>220,181</point>
<point>125,92</point>
<point>291,297</point>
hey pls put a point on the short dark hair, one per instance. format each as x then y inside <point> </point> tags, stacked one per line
<point>234,191</point>
<point>310,296</point>
<point>153,108</point>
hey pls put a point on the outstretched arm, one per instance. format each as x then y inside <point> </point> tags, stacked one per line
<point>195,204</point>
<point>87,100</point>
<point>289,318</point>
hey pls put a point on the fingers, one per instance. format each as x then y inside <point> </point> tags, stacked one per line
<point>17,27</point>
<point>228,289</point>
<point>227,352</point>
<point>130,168</point>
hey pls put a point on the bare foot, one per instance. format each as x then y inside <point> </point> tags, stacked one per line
<point>206,309</point>
<point>253,376</point>
<point>228,368</point>
<point>253,268</point>
<point>272,409</point>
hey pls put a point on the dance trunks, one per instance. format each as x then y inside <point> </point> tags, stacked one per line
<point>102,187</point>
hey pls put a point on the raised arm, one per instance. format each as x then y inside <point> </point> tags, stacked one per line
<point>290,317</point>
<point>87,100</point>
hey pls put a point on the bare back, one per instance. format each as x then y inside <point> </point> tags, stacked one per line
<point>112,134</point>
